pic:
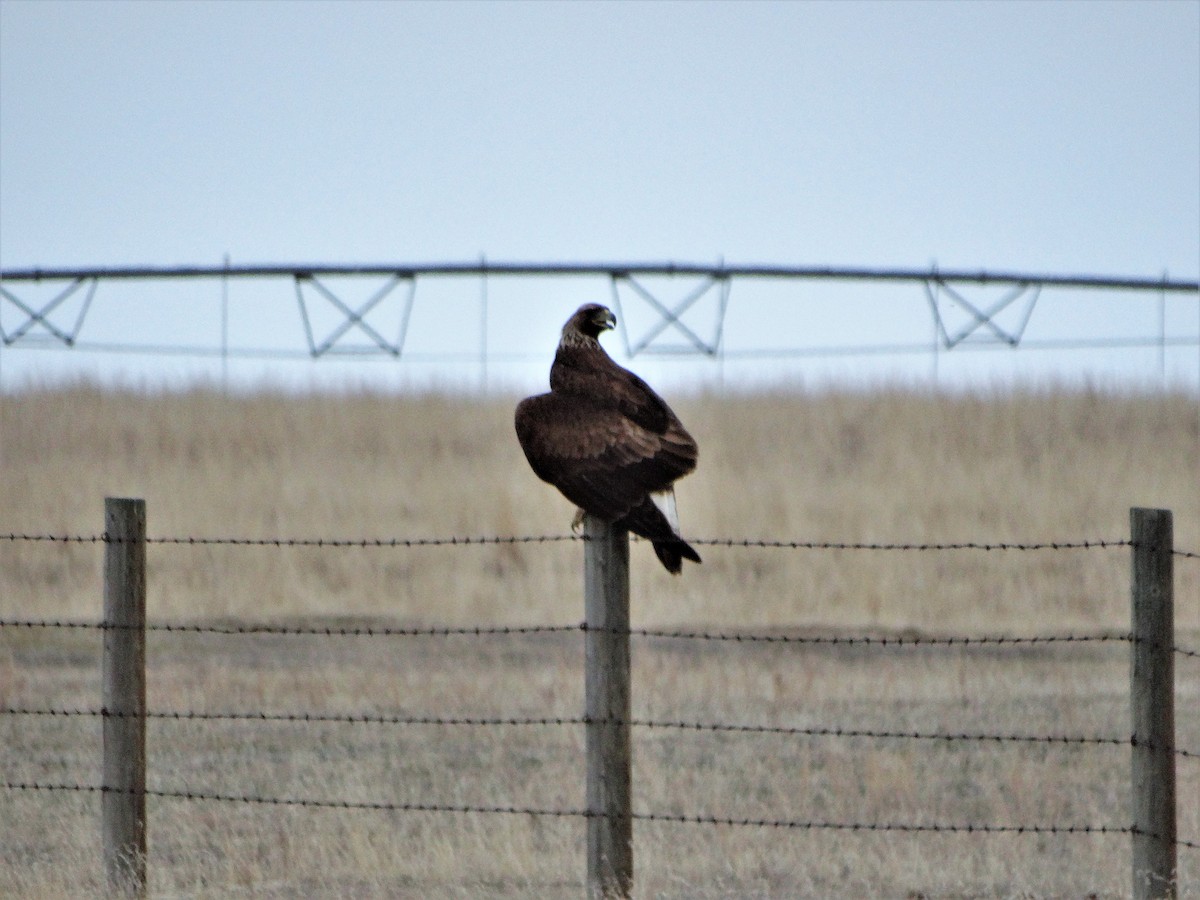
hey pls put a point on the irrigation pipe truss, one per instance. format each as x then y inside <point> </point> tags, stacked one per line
<point>983,326</point>
<point>608,269</point>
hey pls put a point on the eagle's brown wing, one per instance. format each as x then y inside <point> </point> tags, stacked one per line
<point>587,371</point>
<point>600,459</point>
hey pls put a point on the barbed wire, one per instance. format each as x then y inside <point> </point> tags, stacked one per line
<point>886,641</point>
<point>498,721</point>
<point>452,541</point>
<point>867,640</point>
<point>882,641</point>
<point>253,628</point>
<point>957,545</point>
<point>485,540</point>
<point>675,818</point>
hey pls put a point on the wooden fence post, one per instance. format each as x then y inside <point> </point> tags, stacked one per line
<point>1152,699</point>
<point>123,801</point>
<point>609,797</point>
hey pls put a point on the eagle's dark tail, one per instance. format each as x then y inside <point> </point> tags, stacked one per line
<point>648,521</point>
<point>673,553</point>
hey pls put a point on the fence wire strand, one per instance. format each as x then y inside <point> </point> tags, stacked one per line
<point>518,721</point>
<point>485,540</point>
<point>881,641</point>
<point>335,543</point>
<point>671,818</point>
<point>263,628</point>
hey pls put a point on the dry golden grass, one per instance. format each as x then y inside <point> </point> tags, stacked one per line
<point>207,849</point>
<point>888,467</point>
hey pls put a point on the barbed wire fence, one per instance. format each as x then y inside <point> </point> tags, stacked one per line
<point>1151,743</point>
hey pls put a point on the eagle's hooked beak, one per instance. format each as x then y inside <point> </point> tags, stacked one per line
<point>607,320</point>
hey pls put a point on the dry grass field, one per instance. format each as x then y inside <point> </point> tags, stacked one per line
<point>891,466</point>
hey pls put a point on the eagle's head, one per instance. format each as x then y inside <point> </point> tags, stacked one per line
<point>589,320</point>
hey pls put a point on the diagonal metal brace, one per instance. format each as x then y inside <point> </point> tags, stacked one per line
<point>40,316</point>
<point>981,318</point>
<point>672,317</point>
<point>355,318</point>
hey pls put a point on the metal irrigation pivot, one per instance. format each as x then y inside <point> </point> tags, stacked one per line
<point>1152,700</point>
<point>123,801</point>
<point>609,794</point>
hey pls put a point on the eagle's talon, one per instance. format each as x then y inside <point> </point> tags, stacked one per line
<point>577,522</point>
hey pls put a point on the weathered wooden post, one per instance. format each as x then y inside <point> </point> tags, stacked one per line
<point>1152,698</point>
<point>609,796</point>
<point>123,802</point>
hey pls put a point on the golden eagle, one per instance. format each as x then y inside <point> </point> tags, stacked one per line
<point>607,441</point>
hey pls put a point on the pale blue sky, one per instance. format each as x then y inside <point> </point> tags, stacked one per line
<point>1057,137</point>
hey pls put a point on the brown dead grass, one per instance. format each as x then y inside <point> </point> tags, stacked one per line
<point>888,467</point>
